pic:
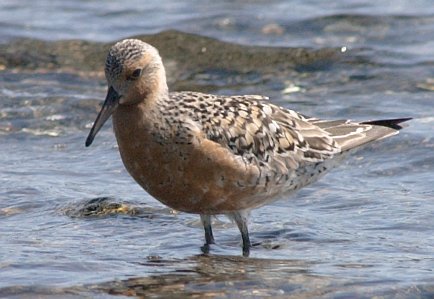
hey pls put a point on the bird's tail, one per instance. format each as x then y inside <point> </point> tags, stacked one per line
<point>389,123</point>
<point>350,135</point>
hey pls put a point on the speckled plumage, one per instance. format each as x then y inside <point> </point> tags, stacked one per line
<point>210,154</point>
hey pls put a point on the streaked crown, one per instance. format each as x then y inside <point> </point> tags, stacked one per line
<point>123,52</point>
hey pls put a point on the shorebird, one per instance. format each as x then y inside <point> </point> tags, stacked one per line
<point>212,154</point>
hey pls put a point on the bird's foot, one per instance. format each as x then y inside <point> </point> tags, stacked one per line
<point>205,248</point>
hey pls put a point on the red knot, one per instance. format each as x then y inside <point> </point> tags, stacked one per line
<point>210,154</point>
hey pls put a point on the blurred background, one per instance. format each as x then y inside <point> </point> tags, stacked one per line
<point>72,221</point>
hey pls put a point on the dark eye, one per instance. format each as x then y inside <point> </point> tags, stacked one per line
<point>136,74</point>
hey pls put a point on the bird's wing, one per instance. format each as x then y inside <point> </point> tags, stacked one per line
<point>258,131</point>
<point>351,135</point>
<point>265,134</point>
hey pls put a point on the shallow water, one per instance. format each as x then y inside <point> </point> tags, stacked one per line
<point>73,223</point>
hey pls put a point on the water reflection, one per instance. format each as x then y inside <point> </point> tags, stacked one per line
<point>230,276</point>
<point>213,275</point>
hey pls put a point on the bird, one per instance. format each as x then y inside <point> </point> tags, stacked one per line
<point>214,154</point>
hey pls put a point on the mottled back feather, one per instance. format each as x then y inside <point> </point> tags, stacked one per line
<point>261,132</point>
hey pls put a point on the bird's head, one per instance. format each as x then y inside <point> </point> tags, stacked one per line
<point>135,74</point>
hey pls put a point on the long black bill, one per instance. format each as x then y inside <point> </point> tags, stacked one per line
<point>110,104</point>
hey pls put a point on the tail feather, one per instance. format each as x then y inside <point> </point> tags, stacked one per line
<point>390,123</point>
<point>351,135</point>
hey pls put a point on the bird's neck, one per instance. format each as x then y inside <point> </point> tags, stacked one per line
<point>141,119</point>
<point>153,88</point>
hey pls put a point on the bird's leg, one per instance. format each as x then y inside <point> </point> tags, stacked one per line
<point>241,221</point>
<point>206,222</point>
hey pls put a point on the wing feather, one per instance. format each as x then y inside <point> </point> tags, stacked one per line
<point>263,133</point>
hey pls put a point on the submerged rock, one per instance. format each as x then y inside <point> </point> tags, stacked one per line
<point>184,55</point>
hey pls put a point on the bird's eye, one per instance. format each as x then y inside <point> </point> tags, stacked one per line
<point>136,74</point>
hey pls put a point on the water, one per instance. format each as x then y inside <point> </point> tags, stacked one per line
<point>73,223</point>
